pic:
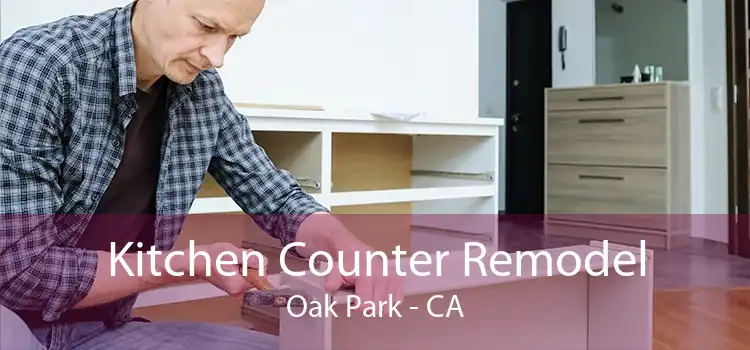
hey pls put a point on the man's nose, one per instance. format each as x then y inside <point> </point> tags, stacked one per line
<point>215,52</point>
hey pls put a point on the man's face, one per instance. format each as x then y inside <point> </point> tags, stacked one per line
<point>187,36</point>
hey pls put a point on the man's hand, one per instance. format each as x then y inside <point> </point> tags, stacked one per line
<point>223,265</point>
<point>323,232</point>
<point>375,283</point>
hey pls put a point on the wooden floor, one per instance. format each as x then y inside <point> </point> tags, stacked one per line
<point>702,319</point>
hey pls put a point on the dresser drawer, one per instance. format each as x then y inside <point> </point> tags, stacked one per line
<point>613,137</point>
<point>633,197</point>
<point>607,97</point>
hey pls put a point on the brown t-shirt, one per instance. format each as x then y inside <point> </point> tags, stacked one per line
<point>126,211</point>
<point>127,208</point>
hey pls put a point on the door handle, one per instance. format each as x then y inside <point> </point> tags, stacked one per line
<point>514,121</point>
<point>600,177</point>
<point>601,120</point>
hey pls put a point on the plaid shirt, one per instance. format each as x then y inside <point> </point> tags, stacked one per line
<point>66,94</point>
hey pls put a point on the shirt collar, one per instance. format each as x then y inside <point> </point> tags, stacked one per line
<point>124,54</point>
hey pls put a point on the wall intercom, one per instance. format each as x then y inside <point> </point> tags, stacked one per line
<point>562,43</point>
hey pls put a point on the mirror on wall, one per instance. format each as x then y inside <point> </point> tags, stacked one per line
<point>643,33</point>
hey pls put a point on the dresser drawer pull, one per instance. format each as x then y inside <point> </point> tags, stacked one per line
<point>601,177</point>
<point>601,120</point>
<point>603,98</point>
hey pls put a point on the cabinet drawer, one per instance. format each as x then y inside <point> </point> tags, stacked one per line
<point>607,97</point>
<point>615,137</point>
<point>633,197</point>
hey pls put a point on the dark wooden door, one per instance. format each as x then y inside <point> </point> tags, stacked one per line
<point>529,72</point>
<point>738,65</point>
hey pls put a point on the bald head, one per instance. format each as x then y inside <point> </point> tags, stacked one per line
<point>183,37</point>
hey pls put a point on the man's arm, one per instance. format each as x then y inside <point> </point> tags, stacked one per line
<point>280,207</point>
<point>271,195</point>
<point>36,272</point>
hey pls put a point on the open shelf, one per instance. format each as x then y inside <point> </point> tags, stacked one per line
<point>420,192</point>
<point>453,161</point>
<point>394,168</point>
<point>298,152</point>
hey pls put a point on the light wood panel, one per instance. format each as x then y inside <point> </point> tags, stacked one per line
<point>210,188</point>
<point>584,193</point>
<point>642,95</point>
<point>633,137</point>
<point>619,156</point>
<point>369,162</point>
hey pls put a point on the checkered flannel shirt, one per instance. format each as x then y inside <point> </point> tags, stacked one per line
<point>66,94</point>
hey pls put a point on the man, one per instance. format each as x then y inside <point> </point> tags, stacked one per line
<point>122,113</point>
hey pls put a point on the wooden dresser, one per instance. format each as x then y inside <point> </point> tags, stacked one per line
<point>618,163</point>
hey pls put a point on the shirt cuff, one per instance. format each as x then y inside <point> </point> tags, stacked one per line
<point>292,222</point>
<point>76,272</point>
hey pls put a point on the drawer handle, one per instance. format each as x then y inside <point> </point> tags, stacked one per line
<point>603,98</point>
<point>601,120</point>
<point>601,177</point>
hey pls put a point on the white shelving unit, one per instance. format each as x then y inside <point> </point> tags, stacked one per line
<point>441,175</point>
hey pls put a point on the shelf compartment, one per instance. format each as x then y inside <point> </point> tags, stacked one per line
<point>442,186</point>
<point>300,153</point>
<point>377,162</point>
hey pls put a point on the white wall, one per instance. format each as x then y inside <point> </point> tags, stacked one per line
<point>325,53</point>
<point>492,58</point>
<point>578,16</point>
<point>40,11</point>
<point>641,35</point>
<point>707,62</point>
<point>492,73</point>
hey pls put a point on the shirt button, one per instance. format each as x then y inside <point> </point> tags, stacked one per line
<point>116,143</point>
<point>95,197</point>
